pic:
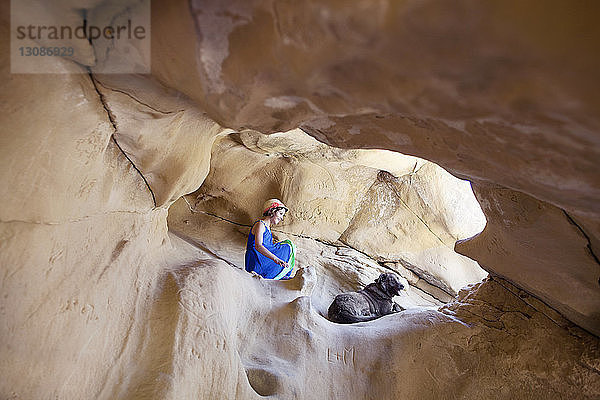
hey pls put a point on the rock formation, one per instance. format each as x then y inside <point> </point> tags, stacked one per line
<point>395,208</point>
<point>115,287</point>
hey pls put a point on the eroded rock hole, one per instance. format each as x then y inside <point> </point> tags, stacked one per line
<point>264,382</point>
<point>353,214</point>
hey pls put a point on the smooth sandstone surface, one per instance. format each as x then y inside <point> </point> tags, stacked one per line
<point>99,300</point>
<point>545,239</point>
<point>337,267</point>
<point>392,207</point>
<point>252,337</point>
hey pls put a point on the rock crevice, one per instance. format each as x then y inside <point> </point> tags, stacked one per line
<point>113,122</point>
<point>589,241</point>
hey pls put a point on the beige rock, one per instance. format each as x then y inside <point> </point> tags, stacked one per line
<point>98,301</point>
<point>491,92</point>
<point>259,337</point>
<point>416,219</point>
<point>337,267</point>
<point>524,231</point>
<point>76,214</point>
<point>165,136</point>
<point>322,189</point>
<point>480,88</point>
<point>82,247</point>
<point>337,195</point>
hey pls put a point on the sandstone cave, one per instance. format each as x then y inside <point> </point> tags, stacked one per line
<point>454,143</point>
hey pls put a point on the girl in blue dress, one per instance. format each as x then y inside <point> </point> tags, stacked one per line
<point>269,260</point>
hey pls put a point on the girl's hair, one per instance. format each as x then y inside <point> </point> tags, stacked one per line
<point>271,211</point>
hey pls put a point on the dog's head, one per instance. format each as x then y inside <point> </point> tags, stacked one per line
<point>389,284</point>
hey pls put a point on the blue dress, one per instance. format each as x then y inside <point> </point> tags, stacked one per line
<point>264,266</point>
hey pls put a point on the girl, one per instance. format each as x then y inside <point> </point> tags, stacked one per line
<point>269,260</point>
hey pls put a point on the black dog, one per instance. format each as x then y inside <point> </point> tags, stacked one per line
<point>372,302</point>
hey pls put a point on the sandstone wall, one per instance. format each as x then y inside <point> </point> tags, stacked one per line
<point>99,301</point>
<point>397,209</point>
<point>494,92</point>
<point>84,244</point>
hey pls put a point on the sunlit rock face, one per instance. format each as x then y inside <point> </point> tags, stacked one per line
<point>397,209</point>
<point>99,300</point>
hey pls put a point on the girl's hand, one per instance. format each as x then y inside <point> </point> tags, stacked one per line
<point>282,263</point>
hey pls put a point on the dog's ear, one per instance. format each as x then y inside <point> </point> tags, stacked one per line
<point>382,282</point>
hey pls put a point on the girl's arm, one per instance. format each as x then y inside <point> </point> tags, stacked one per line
<point>258,245</point>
